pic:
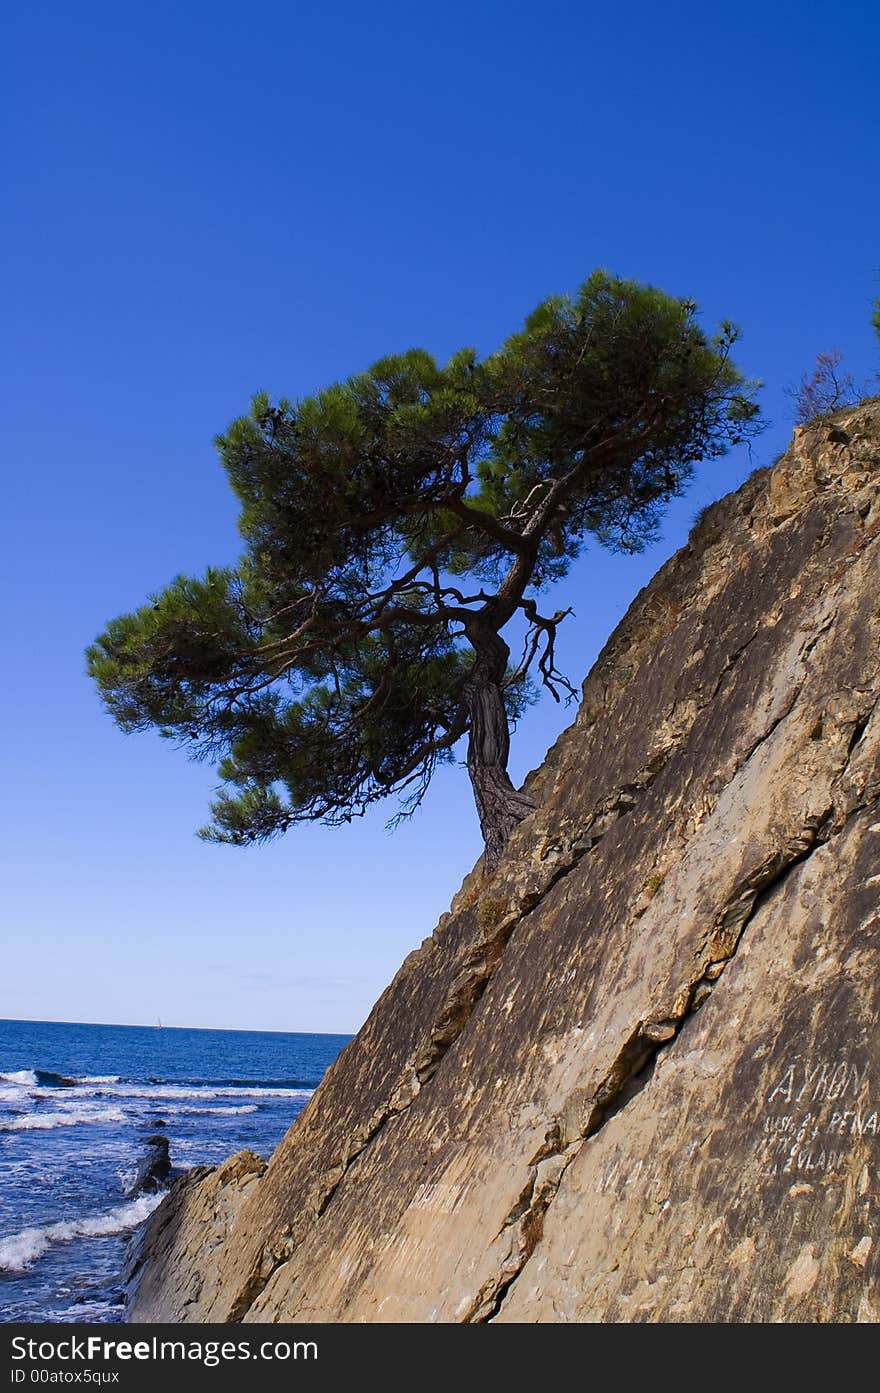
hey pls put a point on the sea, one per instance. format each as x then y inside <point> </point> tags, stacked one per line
<point>77,1106</point>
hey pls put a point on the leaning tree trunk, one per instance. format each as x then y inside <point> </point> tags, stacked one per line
<point>500,806</point>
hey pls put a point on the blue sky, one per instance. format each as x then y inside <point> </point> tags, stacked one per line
<point>203,200</point>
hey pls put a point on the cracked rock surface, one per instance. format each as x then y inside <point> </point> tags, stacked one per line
<point>635,1075</point>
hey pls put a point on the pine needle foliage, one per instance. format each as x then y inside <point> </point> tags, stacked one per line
<point>393,525</point>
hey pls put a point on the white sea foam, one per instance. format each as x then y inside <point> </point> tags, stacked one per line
<point>91,1311</point>
<point>127,1177</point>
<point>27,1077</point>
<point>72,1102</point>
<point>179,1109</point>
<point>13,1093</point>
<point>98,1078</point>
<point>173,1091</point>
<point>20,1250</point>
<point>45,1121</point>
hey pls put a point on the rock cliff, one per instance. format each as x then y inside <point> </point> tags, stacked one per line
<point>635,1076</point>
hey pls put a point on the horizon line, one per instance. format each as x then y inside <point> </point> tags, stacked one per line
<point>221,1029</point>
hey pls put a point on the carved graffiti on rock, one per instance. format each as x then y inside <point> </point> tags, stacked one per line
<point>817,1112</point>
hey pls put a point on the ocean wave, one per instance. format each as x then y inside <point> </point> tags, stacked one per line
<point>19,1251</point>
<point>127,1176</point>
<point>44,1083</point>
<point>76,1102</point>
<point>90,1311</point>
<point>261,1084</point>
<point>180,1109</point>
<point>47,1078</point>
<point>14,1093</point>
<point>45,1121</point>
<point>39,1078</point>
<point>173,1091</point>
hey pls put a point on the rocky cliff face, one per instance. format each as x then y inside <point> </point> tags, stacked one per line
<point>635,1076</point>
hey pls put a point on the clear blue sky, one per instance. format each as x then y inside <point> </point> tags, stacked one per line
<point>202,200</point>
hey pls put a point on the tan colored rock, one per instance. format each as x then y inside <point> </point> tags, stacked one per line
<point>201,1205</point>
<point>635,1076</point>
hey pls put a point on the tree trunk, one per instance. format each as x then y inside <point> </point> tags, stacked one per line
<point>500,806</point>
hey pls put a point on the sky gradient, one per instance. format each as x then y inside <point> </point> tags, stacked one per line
<point>207,200</point>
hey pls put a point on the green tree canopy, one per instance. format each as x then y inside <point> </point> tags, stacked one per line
<point>393,525</point>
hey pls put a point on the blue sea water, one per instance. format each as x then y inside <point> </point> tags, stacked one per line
<point>77,1103</point>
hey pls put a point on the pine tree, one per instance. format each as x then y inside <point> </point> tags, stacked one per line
<point>394,525</point>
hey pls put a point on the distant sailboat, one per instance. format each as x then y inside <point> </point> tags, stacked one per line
<point>158,1022</point>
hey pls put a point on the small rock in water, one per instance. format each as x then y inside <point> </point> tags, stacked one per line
<point>153,1168</point>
